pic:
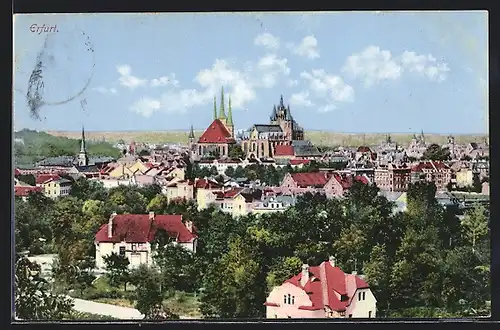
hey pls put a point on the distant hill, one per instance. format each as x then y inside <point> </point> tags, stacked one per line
<point>317,137</point>
<point>39,145</point>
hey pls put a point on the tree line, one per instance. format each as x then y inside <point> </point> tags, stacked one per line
<point>423,262</point>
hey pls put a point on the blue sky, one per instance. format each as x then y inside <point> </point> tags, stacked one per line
<point>344,72</point>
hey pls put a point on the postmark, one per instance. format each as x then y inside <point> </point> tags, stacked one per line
<point>63,70</point>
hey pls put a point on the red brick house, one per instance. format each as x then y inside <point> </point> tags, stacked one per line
<point>432,171</point>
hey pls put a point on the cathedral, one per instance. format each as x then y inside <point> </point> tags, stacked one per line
<point>218,137</point>
<point>260,141</point>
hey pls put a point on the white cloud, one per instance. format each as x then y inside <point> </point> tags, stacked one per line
<point>373,65</point>
<point>126,79</point>
<point>329,90</point>
<point>104,90</point>
<point>267,40</point>
<point>165,80</point>
<point>146,106</point>
<point>271,67</point>
<point>308,47</point>
<point>301,99</point>
<point>327,85</point>
<point>292,82</point>
<point>425,65</point>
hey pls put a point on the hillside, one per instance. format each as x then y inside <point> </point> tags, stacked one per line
<point>39,145</point>
<point>317,137</point>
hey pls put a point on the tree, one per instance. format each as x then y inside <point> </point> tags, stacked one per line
<point>229,171</point>
<point>174,261</point>
<point>235,151</point>
<point>378,272</point>
<point>436,153</point>
<point>118,272</point>
<point>85,189</point>
<point>158,204</point>
<point>283,269</point>
<point>27,178</point>
<point>477,186</point>
<point>144,153</point>
<point>239,172</point>
<point>475,225</point>
<point>33,300</point>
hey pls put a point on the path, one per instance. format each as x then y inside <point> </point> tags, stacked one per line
<point>117,312</point>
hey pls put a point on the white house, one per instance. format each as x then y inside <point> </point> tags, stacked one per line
<point>131,234</point>
<point>323,291</point>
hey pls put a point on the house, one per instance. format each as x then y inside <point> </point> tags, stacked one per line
<point>222,164</point>
<point>271,204</point>
<point>330,184</point>
<point>323,291</point>
<point>464,177</point>
<point>131,235</point>
<point>23,191</point>
<point>182,189</point>
<point>205,190</point>
<point>432,171</point>
<point>392,177</point>
<point>53,185</point>
<point>237,201</point>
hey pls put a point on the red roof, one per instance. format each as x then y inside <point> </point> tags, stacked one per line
<point>284,150</point>
<point>364,149</point>
<point>324,281</point>
<point>299,161</point>
<point>138,228</point>
<point>207,184</point>
<point>430,165</point>
<point>232,192</point>
<point>23,191</point>
<point>17,172</point>
<point>216,133</point>
<point>312,179</point>
<point>42,178</point>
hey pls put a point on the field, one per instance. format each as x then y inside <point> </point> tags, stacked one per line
<point>322,138</point>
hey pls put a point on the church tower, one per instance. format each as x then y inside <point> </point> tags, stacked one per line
<point>222,112</point>
<point>83,159</point>
<point>229,122</point>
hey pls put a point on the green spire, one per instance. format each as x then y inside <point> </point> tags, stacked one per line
<point>222,114</point>
<point>229,113</point>
<point>215,108</point>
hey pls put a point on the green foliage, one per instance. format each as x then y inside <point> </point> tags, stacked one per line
<point>39,145</point>
<point>33,300</point>
<point>436,152</point>
<point>236,152</point>
<point>118,272</point>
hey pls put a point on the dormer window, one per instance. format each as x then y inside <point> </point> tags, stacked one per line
<point>344,297</point>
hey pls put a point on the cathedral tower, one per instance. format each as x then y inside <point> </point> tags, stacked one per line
<point>83,159</point>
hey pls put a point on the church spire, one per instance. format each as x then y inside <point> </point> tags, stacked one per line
<point>229,112</point>
<point>191,133</point>
<point>281,102</point>
<point>222,113</point>
<point>82,143</point>
<point>215,108</point>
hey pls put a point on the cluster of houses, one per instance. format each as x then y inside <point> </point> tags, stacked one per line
<point>318,291</point>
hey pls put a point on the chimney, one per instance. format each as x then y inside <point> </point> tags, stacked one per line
<point>354,272</point>
<point>110,224</point>
<point>189,225</point>
<point>332,259</point>
<point>305,274</point>
<point>151,216</point>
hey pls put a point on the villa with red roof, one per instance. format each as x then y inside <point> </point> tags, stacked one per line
<point>331,184</point>
<point>432,171</point>
<point>131,235</point>
<point>323,291</point>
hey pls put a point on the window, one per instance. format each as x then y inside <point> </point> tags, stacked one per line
<point>359,295</point>
<point>122,250</point>
<point>364,295</point>
<point>288,299</point>
<point>293,300</point>
<point>344,297</point>
<point>284,299</point>
<point>350,316</point>
<point>134,246</point>
<point>369,314</point>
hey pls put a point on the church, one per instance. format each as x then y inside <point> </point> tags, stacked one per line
<point>218,137</point>
<point>261,140</point>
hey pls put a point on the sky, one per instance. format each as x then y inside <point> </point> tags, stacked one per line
<point>339,71</point>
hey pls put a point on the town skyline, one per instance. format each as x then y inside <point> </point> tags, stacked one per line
<point>394,79</point>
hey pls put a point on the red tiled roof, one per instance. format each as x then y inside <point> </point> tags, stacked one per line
<point>324,281</point>
<point>312,179</point>
<point>207,184</point>
<point>232,192</point>
<point>348,180</point>
<point>430,165</point>
<point>17,172</point>
<point>42,178</point>
<point>23,191</point>
<point>216,133</point>
<point>299,161</point>
<point>138,228</point>
<point>364,149</point>
<point>284,150</point>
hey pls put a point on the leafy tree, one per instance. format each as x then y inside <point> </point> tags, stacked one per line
<point>85,189</point>
<point>283,269</point>
<point>33,300</point>
<point>239,172</point>
<point>144,153</point>
<point>436,153</point>
<point>235,151</point>
<point>378,272</point>
<point>28,178</point>
<point>475,224</point>
<point>174,263</point>
<point>229,171</point>
<point>158,204</point>
<point>118,272</point>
